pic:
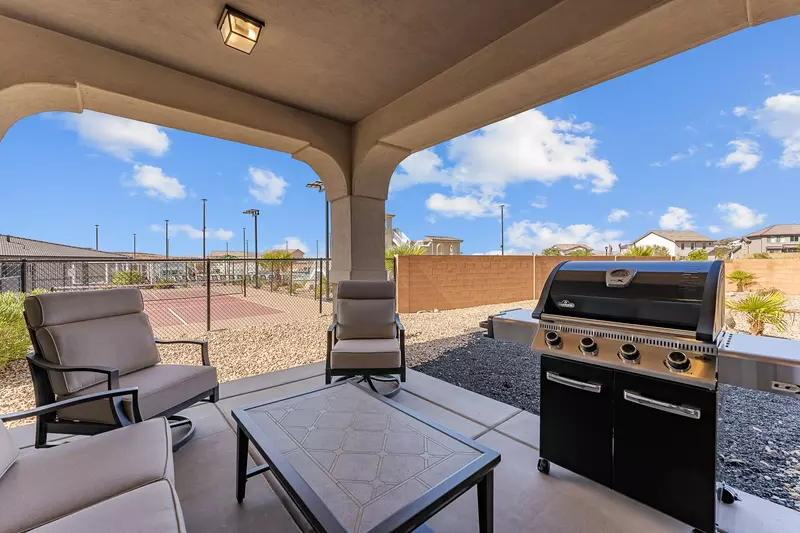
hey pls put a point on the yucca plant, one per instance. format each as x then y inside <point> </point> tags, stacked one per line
<point>401,249</point>
<point>742,279</point>
<point>763,309</point>
<point>14,339</point>
<point>639,251</point>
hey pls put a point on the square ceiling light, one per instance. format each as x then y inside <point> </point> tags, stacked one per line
<point>238,30</point>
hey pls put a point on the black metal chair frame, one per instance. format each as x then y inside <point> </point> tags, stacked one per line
<point>369,374</point>
<point>50,422</point>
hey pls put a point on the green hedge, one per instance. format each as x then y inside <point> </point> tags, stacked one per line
<point>14,340</point>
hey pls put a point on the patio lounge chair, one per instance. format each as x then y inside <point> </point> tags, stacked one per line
<point>366,337</point>
<point>119,481</point>
<point>87,342</point>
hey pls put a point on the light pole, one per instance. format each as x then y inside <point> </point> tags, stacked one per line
<point>166,239</point>
<point>204,227</point>
<point>321,188</point>
<point>502,230</point>
<point>134,246</point>
<point>97,236</point>
<point>244,252</point>
<point>255,213</point>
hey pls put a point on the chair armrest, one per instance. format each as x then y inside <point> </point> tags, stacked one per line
<point>112,374</point>
<point>333,325</point>
<point>331,336</point>
<point>397,322</point>
<point>203,347</point>
<point>53,407</point>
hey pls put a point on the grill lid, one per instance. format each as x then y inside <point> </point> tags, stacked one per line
<point>683,295</point>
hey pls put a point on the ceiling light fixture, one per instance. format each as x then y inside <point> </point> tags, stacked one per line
<point>238,30</point>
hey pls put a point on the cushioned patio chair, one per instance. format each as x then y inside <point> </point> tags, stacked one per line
<point>87,342</point>
<point>366,337</point>
<point>121,481</point>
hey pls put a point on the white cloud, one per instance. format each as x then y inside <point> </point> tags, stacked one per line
<point>683,155</point>
<point>676,218</point>
<point>120,137</point>
<point>540,202</point>
<point>768,80</point>
<point>740,216</point>
<point>294,244</point>
<point>714,229</point>
<point>468,206</point>
<point>740,110</point>
<point>746,154</point>
<point>617,215</point>
<point>192,232</point>
<point>780,116</point>
<point>527,235</point>
<point>527,147</point>
<point>430,219</point>
<point>266,186</point>
<point>156,184</point>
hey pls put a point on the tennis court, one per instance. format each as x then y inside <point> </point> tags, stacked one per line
<point>192,310</point>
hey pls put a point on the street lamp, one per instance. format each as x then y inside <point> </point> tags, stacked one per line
<point>255,213</point>
<point>204,227</point>
<point>321,188</point>
<point>502,230</point>
<point>97,236</point>
<point>166,239</point>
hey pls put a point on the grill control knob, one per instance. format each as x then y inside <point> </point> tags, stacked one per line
<point>552,339</point>
<point>629,353</point>
<point>678,362</point>
<point>588,346</point>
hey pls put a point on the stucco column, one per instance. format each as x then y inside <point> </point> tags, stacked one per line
<point>357,224</point>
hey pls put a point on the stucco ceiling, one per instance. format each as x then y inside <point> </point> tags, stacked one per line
<point>343,59</point>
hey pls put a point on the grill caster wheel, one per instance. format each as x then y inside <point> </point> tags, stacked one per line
<point>726,495</point>
<point>543,466</point>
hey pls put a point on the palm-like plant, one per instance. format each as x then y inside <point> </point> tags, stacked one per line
<point>639,251</point>
<point>763,310</point>
<point>551,252</point>
<point>742,279</point>
<point>401,249</point>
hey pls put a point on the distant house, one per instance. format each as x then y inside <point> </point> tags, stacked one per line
<point>775,239</point>
<point>679,243</point>
<point>432,244</point>
<point>566,249</point>
<point>22,265</point>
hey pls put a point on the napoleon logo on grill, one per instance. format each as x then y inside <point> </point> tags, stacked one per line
<point>565,304</point>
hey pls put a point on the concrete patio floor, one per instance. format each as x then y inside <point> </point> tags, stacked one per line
<point>525,500</point>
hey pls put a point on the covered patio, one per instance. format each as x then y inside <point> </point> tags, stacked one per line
<point>525,499</point>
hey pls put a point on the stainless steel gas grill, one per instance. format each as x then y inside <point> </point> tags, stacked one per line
<point>631,357</point>
<point>629,379</point>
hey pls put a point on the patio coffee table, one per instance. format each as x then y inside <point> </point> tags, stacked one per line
<point>353,461</point>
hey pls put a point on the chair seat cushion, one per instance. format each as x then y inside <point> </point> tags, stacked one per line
<point>8,449</point>
<point>365,353</point>
<point>47,484</point>
<point>154,507</point>
<point>161,388</point>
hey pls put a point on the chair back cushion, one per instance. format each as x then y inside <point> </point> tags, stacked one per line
<point>96,328</point>
<point>365,310</point>
<point>8,449</point>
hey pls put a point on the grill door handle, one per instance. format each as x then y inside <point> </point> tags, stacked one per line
<point>680,410</point>
<point>574,383</point>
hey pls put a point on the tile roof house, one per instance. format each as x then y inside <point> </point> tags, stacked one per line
<point>778,238</point>
<point>679,243</point>
<point>21,248</point>
<point>569,248</point>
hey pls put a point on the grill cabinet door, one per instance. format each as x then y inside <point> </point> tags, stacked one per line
<point>576,417</point>
<point>663,457</point>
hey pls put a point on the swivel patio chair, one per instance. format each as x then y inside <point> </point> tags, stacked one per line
<point>87,342</point>
<point>366,337</point>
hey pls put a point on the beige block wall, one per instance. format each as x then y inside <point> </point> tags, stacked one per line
<point>427,282</point>
<point>783,274</point>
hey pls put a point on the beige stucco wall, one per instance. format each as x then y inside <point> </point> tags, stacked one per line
<point>782,274</point>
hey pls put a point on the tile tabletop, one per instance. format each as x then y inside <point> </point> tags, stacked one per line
<point>362,456</point>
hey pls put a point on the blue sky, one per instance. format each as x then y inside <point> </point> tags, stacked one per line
<point>708,140</point>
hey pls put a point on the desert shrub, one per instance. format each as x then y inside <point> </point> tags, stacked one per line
<point>697,255</point>
<point>763,310</point>
<point>580,253</point>
<point>659,251</point>
<point>14,339</point>
<point>164,284</point>
<point>402,249</point>
<point>762,255</point>
<point>639,251</point>
<point>742,279</point>
<point>128,277</point>
<point>552,251</point>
